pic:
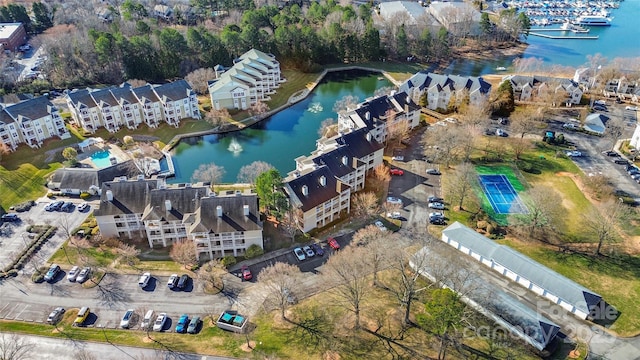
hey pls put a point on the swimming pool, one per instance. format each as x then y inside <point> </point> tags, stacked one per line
<point>101,159</point>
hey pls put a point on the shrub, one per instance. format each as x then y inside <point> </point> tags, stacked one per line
<point>50,195</point>
<point>85,195</point>
<point>491,229</point>
<point>95,231</point>
<point>12,273</point>
<point>37,278</point>
<point>228,260</point>
<point>253,251</point>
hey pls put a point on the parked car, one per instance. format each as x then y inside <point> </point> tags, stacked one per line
<point>397,158</point>
<point>380,225</point>
<point>173,281</point>
<point>73,273</point>
<point>308,251</point>
<point>633,171</point>
<point>396,172</point>
<point>435,199</point>
<point>183,281</point>
<point>437,221</point>
<point>299,254</point>
<point>146,321</point>
<point>193,325</point>
<point>54,206</point>
<point>125,323</point>
<point>574,153</point>
<point>333,243</point>
<point>55,315</point>
<point>67,206</point>
<point>621,161</point>
<point>503,121</point>
<point>318,249</point>
<point>500,132</point>
<point>433,172</point>
<point>436,205</point>
<point>246,273</point>
<point>11,217</point>
<point>83,206</point>
<point>611,153</point>
<point>394,215</point>
<point>158,325</point>
<point>451,120</point>
<point>183,322</point>
<point>570,126</point>
<point>144,280</point>
<point>84,275</point>
<point>435,215</point>
<point>52,272</point>
<point>83,314</point>
<point>599,108</point>
<point>394,200</point>
<point>635,177</point>
<point>631,108</point>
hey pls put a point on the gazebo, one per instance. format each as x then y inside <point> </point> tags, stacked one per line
<point>85,144</point>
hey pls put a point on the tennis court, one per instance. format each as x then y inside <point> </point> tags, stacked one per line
<point>503,197</point>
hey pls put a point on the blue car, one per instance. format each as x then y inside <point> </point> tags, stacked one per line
<point>318,249</point>
<point>182,323</point>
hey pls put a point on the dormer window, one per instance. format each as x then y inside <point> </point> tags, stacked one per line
<point>305,190</point>
<point>345,160</point>
<point>323,180</point>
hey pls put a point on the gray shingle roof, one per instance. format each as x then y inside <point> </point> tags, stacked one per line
<point>174,91</point>
<point>183,201</point>
<point>317,193</point>
<point>145,92</point>
<point>356,143</point>
<point>424,80</point>
<point>129,197</point>
<point>33,109</point>
<point>84,178</point>
<point>124,93</point>
<point>104,95</point>
<point>566,289</point>
<point>83,97</point>
<point>233,219</point>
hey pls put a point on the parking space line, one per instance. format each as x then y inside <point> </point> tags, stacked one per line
<point>21,311</point>
<point>13,309</point>
<point>4,307</point>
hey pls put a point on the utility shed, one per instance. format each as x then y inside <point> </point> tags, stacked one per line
<point>523,270</point>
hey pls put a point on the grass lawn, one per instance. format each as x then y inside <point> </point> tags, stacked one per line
<point>72,255</point>
<point>617,280</point>
<point>296,81</point>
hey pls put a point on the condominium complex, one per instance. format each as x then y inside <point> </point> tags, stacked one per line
<point>217,225</point>
<point>124,106</point>
<point>31,122</point>
<point>252,78</point>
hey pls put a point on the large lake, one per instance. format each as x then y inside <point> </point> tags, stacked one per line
<point>278,139</point>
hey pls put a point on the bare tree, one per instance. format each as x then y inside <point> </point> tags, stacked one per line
<point>4,150</point>
<point>381,173</point>
<point>615,129</point>
<point>525,120</point>
<point>345,104</point>
<point>15,347</point>
<point>279,280</point>
<point>199,78</point>
<point>383,91</point>
<point>136,83</point>
<point>448,139</point>
<point>365,204</point>
<point>217,117</point>
<point>84,354</point>
<point>328,128</point>
<point>347,271</point>
<point>249,173</point>
<point>129,254</point>
<point>540,211</point>
<point>378,245</point>
<point>208,173</point>
<point>291,222</point>
<point>184,252</point>
<point>398,129</point>
<point>602,220</point>
<point>211,275</point>
<point>462,183</point>
<point>258,108</point>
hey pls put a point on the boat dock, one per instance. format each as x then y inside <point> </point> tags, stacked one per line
<point>564,37</point>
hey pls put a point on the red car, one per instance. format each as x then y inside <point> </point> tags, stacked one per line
<point>333,243</point>
<point>246,274</point>
<point>396,172</point>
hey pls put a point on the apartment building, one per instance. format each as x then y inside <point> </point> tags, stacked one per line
<point>162,214</point>
<point>115,107</point>
<point>253,77</point>
<point>380,114</point>
<point>31,122</point>
<point>440,89</point>
<point>322,183</point>
<point>528,88</point>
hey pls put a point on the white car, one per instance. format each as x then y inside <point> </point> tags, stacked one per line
<point>451,120</point>
<point>73,273</point>
<point>146,322</point>
<point>144,280</point>
<point>500,132</point>
<point>434,215</point>
<point>173,281</point>
<point>380,225</point>
<point>158,325</point>
<point>299,254</point>
<point>397,158</point>
<point>632,108</point>
<point>394,200</point>
<point>308,251</point>
<point>570,126</point>
<point>394,215</point>
<point>436,205</point>
<point>574,153</point>
<point>84,275</point>
<point>125,323</point>
<point>83,206</point>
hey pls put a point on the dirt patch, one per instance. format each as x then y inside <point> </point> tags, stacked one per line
<point>248,347</point>
<point>280,323</point>
<point>146,339</point>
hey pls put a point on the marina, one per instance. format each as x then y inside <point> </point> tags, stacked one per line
<point>578,12</point>
<point>567,37</point>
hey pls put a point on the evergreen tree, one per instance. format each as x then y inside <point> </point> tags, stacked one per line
<point>42,17</point>
<point>402,42</point>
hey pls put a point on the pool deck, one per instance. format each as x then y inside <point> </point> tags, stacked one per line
<point>119,154</point>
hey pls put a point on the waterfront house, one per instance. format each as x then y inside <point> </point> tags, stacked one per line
<point>164,214</point>
<point>530,87</point>
<point>440,89</point>
<point>321,185</point>
<point>622,87</point>
<point>31,122</point>
<point>253,77</point>
<point>380,114</point>
<point>115,107</point>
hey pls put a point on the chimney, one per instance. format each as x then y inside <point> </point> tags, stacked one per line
<point>345,160</point>
<point>245,210</point>
<point>305,190</point>
<point>323,180</point>
<point>219,211</point>
<point>109,195</point>
<point>167,205</point>
<point>140,177</point>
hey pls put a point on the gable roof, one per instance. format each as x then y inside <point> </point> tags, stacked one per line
<point>359,143</point>
<point>183,201</point>
<point>426,80</point>
<point>173,91</point>
<point>233,218</point>
<point>334,160</point>
<point>146,92</point>
<point>104,95</point>
<point>81,97</point>
<point>129,197</point>
<point>85,178</point>
<point>124,92</point>
<point>316,192</point>
<point>566,289</point>
<point>33,109</point>
<point>595,123</point>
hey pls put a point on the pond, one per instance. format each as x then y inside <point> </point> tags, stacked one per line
<point>279,139</point>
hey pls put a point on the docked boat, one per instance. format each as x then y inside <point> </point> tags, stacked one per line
<point>593,20</point>
<point>501,68</point>
<point>567,26</point>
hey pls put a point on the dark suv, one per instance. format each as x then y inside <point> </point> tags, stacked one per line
<point>67,207</point>
<point>10,217</point>
<point>184,280</point>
